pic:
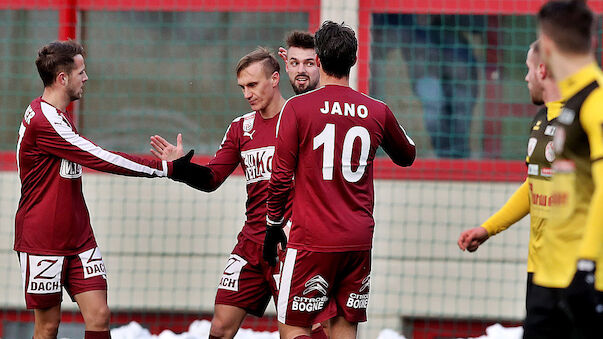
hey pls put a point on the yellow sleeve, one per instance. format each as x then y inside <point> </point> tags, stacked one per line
<point>517,207</point>
<point>592,123</point>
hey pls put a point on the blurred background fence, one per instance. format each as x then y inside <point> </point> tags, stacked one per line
<point>452,71</point>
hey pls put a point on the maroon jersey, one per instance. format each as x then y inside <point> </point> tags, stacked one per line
<point>327,139</point>
<point>52,218</point>
<point>249,141</point>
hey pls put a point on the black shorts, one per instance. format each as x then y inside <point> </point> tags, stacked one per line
<point>547,314</point>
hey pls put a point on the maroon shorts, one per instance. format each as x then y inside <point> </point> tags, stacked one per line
<point>248,281</point>
<point>316,286</point>
<point>45,276</point>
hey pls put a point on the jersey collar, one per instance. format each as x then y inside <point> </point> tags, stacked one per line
<point>577,81</point>
<point>553,109</point>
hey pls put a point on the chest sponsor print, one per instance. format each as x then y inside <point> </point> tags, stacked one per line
<point>258,163</point>
<point>70,170</point>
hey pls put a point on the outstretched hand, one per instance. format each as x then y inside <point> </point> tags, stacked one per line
<point>471,239</point>
<point>164,150</point>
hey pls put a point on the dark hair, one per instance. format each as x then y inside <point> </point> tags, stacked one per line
<point>336,47</point>
<point>57,57</point>
<point>300,39</point>
<point>570,24</point>
<point>260,54</point>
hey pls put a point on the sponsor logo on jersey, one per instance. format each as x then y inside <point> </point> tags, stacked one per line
<point>559,139</point>
<point>533,169</point>
<point>540,199</point>
<point>550,130</point>
<point>248,122</point>
<point>531,145</point>
<point>305,304</point>
<point>92,262</point>
<point>230,277</point>
<point>567,116</point>
<point>70,170</point>
<point>317,286</point>
<point>546,172</point>
<point>44,274</point>
<point>357,300</point>
<point>537,126</point>
<point>248,126</point>
<point>29,114</point>
<point>258,163</point>
<point>564,166</point>
<point>316,283</point>
<point>549,152</point>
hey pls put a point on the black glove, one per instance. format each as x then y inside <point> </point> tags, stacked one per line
<point>194,175</point>
<point>274,235</point>
<point>580,294</point>
<point>181,166</point>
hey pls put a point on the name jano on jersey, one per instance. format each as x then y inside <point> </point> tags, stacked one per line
<point>347,109</point>
<point>258,163</point>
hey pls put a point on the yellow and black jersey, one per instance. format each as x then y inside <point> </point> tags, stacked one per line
<point>539,159</point>
<point>533,196</point>
<point>574,228</point>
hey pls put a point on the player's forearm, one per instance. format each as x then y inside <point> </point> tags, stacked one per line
<point>278,196</point>
<point>593,233</point>
<point>517,207</point>
<point>198,177</point>
<point>61,141</point>
<point>402,155</point>
<point>397,144</point>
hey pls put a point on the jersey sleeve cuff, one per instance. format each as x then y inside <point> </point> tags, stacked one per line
<point>271,222</point>
<point>168,168</point>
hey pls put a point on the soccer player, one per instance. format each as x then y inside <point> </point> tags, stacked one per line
<point>53,235</point>
<point>300,61</point>
<point>327,139</point>
<point>571,243</point>
<point>248,282</point>
<point>533,195</point>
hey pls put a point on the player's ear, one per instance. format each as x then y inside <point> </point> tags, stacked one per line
<point>62,79</point>
<point>541,72</point>
<point>317,60</point>
<point>275,78</point>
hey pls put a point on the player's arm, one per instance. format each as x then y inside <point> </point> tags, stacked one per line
<point>57,138</point>
<point>396,143</point>
<point>281,182</point>
<point>204,178</point>
<point>582,283</point>
<point>592,123</point>
<point>517,207</point>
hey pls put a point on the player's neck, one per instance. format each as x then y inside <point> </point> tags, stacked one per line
<point>58,99</point>
<point>273,108</point>
<point>551,91</point>
<point>326,79</point>
<point>567,65</point>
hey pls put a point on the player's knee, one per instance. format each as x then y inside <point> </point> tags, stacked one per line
<point>47,329</point>
<point>222,329</point>
<point>98,319</point>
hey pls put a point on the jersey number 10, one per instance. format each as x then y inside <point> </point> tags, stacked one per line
<point>327,138</point>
